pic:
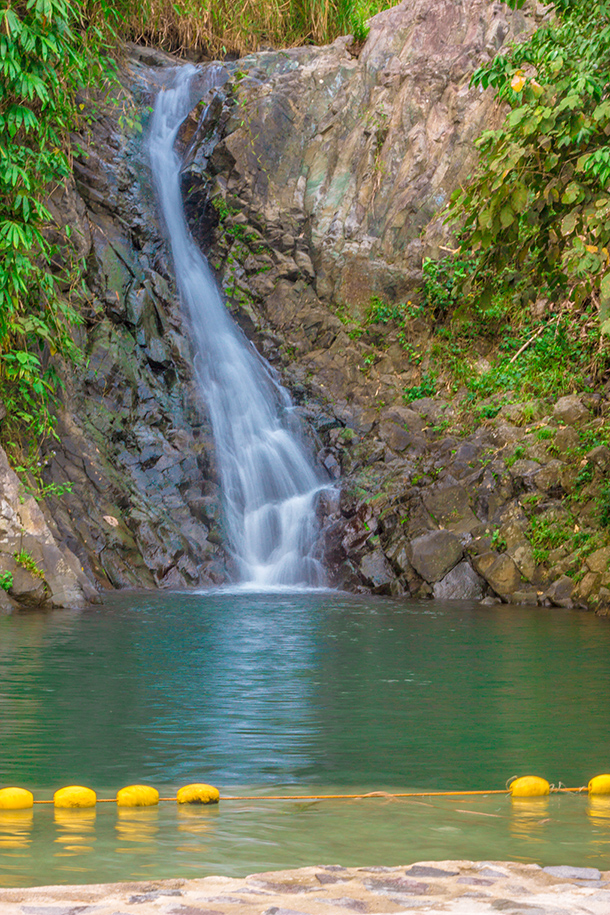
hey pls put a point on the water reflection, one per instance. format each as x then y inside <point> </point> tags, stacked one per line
<point>529,819</point>
<point>598,809</point>
<point>75,831</point>
<point>136,829</point>
<point>16,828</point>
<point>195,827</point>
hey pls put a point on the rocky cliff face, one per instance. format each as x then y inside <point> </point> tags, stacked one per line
<point>130,485</point>
<point>330,175</point>
<point>314,182</point>
<point>323,193</point>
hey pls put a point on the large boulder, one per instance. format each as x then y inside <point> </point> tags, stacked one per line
<point>433,555</point>
<point>376,569</point>
<point>500,572</point>
<point>461,583</point>
<point>349,160</point>
<point>571,410</point>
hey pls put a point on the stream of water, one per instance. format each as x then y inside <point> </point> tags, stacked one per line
<point>268,481</point>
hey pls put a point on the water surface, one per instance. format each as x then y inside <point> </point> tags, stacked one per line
<point>306,693</point>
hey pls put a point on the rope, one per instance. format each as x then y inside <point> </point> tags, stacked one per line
<point>335,797</point>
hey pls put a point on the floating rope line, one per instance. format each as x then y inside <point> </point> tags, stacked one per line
<point>77,796</point>
<point>388,795</point>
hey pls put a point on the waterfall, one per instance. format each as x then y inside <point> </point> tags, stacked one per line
<point>268,483</point>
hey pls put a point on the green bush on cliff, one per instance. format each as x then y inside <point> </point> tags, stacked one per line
<point>44,59</point>
<point>539,204</point>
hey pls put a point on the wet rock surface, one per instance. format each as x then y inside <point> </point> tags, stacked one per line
<point>464,887</point>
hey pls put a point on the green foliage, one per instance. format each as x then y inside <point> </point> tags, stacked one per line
<point>541,370</point>
<point>540,201</point>
<point>426,388</point>
<point>382,312</point>
<point>357,22</point>
<point>6,581</point>
<point>25,559</point>
<point>44,60</point>
<point>488,411</point>
<point>604,506</point>
<point>585,475</point>
<point>546,532</point>
<point>442,284</point>
<point>517,454</point>
<point>498,542</point>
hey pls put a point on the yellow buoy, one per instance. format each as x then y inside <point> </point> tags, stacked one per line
<point>198,794</point>
<point>137,796</point>
<point>529,786</point>
<point>16,799</point>
<point>600,784</point>
<point>75,796</point>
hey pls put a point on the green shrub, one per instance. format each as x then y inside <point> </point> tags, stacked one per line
<point>45,58</point>
<point>427,388</point>
<point>539,201</point>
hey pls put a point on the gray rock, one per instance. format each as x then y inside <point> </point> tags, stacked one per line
<point>461,583</point>
<point>410,419</point>
<point>525,596</point>
<point>599,456</point>
<point>599,561</point>
<point>450,507</point>
<point>6,604</point>
<point>567,439</point>
<point>395,436</point>
<point>426,870</point>
<point>61,582</point>
<point>570,410</point>
<point>433,555</point>
<point>499,571</point>
<point>376,569</point>
<point>549,479</point>
<point>573,873</point>
<point>560,592</point>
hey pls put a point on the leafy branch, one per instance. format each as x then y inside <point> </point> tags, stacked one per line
<point>539,203</point>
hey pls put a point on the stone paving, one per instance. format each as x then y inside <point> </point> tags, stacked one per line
<point>460,887</point>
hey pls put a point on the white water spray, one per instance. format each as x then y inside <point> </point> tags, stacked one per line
<point>269,486</point>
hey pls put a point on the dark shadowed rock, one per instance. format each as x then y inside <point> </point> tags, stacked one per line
<point>59,580</point>
<point>450,507</point>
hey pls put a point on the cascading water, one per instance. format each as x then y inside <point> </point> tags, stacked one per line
<point>269,485</point>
